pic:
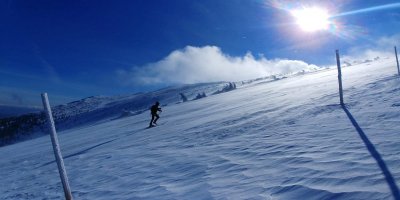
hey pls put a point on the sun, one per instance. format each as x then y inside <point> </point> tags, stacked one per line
<point>312,19</point>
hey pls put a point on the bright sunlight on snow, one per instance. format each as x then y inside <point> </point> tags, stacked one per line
<point>274,139</point>
<point>312,19</point>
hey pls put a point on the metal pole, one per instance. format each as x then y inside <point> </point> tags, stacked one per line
<point>397,60</point>
<point>339,77</point>
<point>56,148</point>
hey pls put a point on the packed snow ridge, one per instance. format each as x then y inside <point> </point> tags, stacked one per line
<point>285,139</point>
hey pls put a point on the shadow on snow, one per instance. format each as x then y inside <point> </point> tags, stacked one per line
<point>375,154</point>
<point>80,152</point>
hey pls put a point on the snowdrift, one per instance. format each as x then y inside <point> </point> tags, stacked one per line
<point>284,139</point>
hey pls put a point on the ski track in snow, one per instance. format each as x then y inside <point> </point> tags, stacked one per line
<point>286,139</point>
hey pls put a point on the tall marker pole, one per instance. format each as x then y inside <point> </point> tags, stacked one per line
<point>56,148</point>
<point>397,60</point>
<point>339,77</point>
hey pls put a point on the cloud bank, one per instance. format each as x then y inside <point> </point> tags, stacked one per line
<point>208,64</point>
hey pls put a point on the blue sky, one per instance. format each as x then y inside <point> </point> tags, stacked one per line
<point>74,49</point>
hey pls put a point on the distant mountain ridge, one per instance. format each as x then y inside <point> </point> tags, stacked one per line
<point>12,111</point>
<point>97,108</point>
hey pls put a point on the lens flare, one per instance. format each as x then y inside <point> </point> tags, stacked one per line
<point>314,18</point>
<point>364,10</point>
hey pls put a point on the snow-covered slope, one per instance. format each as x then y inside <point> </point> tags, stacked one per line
<point>93,109</point>
<point>285,139</point>
<point>101,108</point>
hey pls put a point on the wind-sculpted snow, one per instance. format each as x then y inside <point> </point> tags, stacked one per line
<point>285,139</point>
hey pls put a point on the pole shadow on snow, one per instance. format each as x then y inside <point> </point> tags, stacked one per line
<point>375,154</point>
<point>79,153</point>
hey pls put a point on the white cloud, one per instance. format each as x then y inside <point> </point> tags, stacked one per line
<point>382,47</point>
<point>207,64</point>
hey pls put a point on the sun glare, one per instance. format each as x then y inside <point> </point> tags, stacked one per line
<point>312,19</point>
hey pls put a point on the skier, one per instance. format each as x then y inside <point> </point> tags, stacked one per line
<point>154,116</point>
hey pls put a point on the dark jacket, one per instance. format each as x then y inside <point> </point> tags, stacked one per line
<point>154,109</point>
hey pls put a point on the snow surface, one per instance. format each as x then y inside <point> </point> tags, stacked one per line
<point>284,139</point>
